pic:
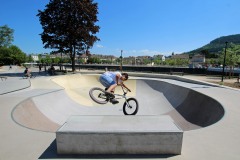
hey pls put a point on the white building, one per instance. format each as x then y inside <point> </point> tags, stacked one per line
<point>161,57</point>
<point>35,58</point>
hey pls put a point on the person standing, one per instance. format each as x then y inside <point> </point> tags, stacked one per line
<point>40,67</point>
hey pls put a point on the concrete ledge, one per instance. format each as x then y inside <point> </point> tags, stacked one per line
<point>162,76</point>
<point>119,135</point>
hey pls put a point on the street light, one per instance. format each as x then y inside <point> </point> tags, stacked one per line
<point>121,61</point>
<point>224,60</point>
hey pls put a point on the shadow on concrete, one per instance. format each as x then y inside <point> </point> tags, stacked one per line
<point>51,153</point>
<point>20,75</point>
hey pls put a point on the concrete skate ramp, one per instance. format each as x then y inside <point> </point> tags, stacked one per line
<point>194,107</point>
<point>188,108</point>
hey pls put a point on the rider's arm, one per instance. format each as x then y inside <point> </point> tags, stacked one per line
<point>126,87</point>
<point>117,79</point>
<point>121,83</point>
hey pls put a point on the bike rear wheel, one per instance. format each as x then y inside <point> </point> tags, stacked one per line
<point>130,107</point>
<point>98,95</point>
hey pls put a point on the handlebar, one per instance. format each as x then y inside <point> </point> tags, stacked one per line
<point>125,90</point>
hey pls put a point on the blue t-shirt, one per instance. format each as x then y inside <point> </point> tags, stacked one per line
<point>113,76</point>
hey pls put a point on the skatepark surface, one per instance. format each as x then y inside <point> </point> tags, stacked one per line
<point>32,110</point>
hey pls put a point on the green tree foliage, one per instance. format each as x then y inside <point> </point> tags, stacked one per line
<point>177,62</point>
<point>29,59</point>
<point>46,60</point>
<point>118,60</point>
<point>5,56</point>
<point>208,54</point>
<point>212,61</point>
<point>232,55</point>
<point>17,55</point>
<point>215,47</point>
<point>56,60</point>
<point>235,49</point>
<point>146,61</point>
<point>157,61</point>
<point>81,61</point>
<point>12,55</point>
<point>94,60</point>
<point>69,26</point>
<point>6,36</point>
<point>106,61</point>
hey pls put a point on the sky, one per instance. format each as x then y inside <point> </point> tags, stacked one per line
<point>137,27</point>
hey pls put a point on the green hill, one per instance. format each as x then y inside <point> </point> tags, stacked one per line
<point>216,46</point>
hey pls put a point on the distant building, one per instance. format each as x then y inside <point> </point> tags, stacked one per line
<point>197,61</point>
<point>180,56</point>
<point>198,58</point>
<point>104,57</point>
<point>85,57</point>
<point>35,58</point>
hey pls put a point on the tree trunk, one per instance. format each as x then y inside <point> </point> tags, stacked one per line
<point>231,71</point>
<point>61,62</point>
<point>73,58</point>
<point>229,74</point>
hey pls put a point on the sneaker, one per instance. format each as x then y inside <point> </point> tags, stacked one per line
<point>114,101</point>
<point>110,95</point>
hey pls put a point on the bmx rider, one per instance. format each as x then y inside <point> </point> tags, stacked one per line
<point>111,80</point>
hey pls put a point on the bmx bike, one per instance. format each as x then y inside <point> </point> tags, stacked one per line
<point>28,76</point>
<point>100,96</point>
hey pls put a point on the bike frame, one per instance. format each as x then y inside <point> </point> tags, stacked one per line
<point>121,96</point>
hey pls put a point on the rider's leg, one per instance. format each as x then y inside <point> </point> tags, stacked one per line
<point>112,88</point>
<point>108,82</point>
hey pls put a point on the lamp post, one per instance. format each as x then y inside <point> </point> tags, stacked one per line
<point>224,60</point>
<point>121,61</point>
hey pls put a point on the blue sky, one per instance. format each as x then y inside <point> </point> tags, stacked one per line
<point>138,27</point>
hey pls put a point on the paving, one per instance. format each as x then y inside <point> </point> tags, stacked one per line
<point>31,114</point>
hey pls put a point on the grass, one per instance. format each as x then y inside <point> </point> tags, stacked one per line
<point>228,84</point>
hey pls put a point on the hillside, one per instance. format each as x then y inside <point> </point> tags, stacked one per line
<point>218,44</point>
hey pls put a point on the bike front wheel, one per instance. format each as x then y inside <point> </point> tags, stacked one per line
<point>130,107</point>
<point>98,95</point>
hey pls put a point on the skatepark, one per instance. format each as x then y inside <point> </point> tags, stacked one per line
<point>32,110</point>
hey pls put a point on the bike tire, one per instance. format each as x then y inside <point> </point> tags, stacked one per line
<point>93,93</point>
<point>126,108</point>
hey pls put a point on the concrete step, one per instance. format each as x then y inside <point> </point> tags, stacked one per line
<point>119,135</point>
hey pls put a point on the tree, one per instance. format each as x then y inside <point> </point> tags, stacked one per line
<point>56,60</point>
<point>146,61</point>
<point>12,55</point>
<point>69,26</point>
<point>17,55</point>
<point>94,60</point>
<point>232,57</point>
<point>29,58</point>
<point>6,36</point>
<point>157,61</point>
<point>5,56</point>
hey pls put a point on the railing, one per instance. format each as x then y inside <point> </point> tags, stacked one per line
<point>129,68</point>
<point>156,69</point>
